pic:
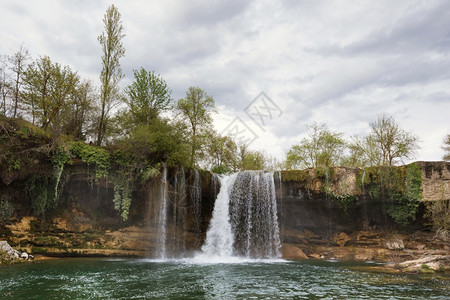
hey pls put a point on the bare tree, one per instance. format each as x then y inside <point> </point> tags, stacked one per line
<point>393,143</point>
<point>17,64</point>
<point>4,86</point>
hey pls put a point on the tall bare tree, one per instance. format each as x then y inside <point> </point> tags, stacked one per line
<point>4,86</point>
<point>393,142</point>
<point>17,64</point>
<point>113,50</point>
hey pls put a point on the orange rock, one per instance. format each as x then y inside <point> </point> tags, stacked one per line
<point>341,239</point>
<point>290,251</point>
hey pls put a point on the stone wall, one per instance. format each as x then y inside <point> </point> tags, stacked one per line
<point>435,180</point>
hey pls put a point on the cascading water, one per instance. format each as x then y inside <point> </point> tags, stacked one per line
<point>181,204</point>
<point>244,221</point>
<point>162,217</point>
<point>364,204</point>
<point>254,219</point>
<point>196,199</point>
<point>219,238</point>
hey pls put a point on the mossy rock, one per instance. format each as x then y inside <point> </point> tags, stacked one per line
<point>295,175</point>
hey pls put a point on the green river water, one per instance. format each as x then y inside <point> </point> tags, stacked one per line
<point>91,278</point>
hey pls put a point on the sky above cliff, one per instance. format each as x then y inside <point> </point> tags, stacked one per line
<point>339,62</point>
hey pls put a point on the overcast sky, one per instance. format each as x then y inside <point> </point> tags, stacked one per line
<point>338,62</point>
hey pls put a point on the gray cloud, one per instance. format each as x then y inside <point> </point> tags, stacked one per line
<point>321,61</point>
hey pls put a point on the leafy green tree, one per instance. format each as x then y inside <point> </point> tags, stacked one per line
<point>222,153</point>
<point>79,110</point>
<point>153,143</point>
<point>113,50</point>
<point>321,148</point>
<point>446,147</point>
<point>148,95</point>
<point>48,91</point>
<point>195,110</point>
<point>254,160</point>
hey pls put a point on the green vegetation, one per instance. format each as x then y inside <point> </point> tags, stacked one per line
<point>94,156</point>
<point>425,269</point>
<point>49,115</point>
<point>6,259</point>
<point>438,212</point>
<point>6,208</point>
<point>195,111</point>
<point>321,148</point>
<point>405,197</point>
<point>398,187</point>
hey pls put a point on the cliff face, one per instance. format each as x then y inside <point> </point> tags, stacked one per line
<point>346,213</point>
<point>85,220</point>
<point>351,213</point>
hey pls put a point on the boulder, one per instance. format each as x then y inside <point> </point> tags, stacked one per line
<point>426,264</point>
<point>290,251</point>
<point>24,255</point>
<point>394,243</point>
<point>6,247</point>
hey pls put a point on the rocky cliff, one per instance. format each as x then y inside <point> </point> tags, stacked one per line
<point>344,213</point>
<point>86,220</point>
<point>364,214</point>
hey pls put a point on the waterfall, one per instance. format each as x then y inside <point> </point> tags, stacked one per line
<point>196,199</point>
<point>362,180</point>
<point>254,216</point>
<point>219,237</point>
<point>162,217</point>
<point>244,221</point>
<point>181,204</point>
<point>364,204</point>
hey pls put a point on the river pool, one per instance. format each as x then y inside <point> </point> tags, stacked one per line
<point>95,278</point>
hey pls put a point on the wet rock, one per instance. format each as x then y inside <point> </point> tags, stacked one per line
<point>24,255</point>
<point>315,256</point>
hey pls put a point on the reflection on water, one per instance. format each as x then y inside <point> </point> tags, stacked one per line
<point>187,279</point>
